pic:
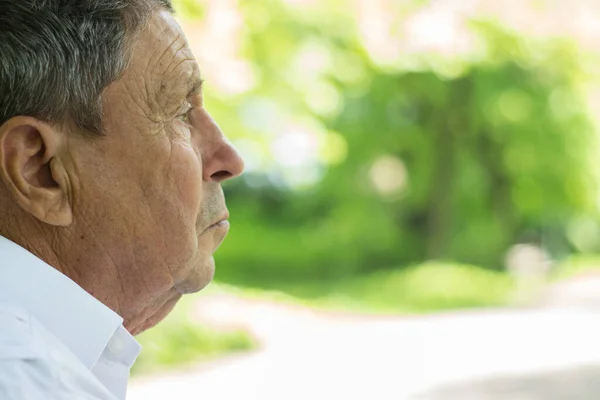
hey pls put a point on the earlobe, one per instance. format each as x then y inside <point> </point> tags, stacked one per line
<point>32,171</point>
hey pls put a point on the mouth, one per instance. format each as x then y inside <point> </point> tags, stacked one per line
<point>221,223</point>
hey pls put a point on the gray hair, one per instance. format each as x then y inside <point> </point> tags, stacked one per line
<point>57,56</point>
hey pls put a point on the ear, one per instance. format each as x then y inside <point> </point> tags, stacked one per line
<point>32,171</point>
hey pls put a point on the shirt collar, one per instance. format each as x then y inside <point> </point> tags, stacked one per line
<point>74,316</point>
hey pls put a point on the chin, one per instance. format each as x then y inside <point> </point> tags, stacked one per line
<point>157,316</point>
<point>200,275</point>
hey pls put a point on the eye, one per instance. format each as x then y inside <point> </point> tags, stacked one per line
<point>185,116</point>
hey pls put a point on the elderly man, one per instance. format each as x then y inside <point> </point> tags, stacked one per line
<point>111,204</point>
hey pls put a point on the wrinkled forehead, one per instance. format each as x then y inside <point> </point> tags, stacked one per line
<point>162,58</point>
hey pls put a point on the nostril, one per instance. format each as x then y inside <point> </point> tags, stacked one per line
<point>221,176</point>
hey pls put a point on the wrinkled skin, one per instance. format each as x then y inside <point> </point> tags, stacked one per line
<point>134,217</point>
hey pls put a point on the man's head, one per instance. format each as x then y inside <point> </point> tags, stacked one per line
<point>110,167</point>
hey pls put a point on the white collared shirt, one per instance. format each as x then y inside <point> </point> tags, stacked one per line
<point>56,340</point>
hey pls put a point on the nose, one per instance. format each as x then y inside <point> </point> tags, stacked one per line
<point>221,161</point>
<point>224,164</point>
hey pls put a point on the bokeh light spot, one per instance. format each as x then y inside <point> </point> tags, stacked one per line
<point>388,175</point>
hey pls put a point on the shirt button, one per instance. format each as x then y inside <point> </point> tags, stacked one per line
<point>116,345</point>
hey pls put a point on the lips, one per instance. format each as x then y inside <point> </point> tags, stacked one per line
<point>222,222</point>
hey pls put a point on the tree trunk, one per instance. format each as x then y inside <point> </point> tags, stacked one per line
<point>450,124</point>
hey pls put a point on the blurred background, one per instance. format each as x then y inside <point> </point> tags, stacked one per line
<point>420,212</point>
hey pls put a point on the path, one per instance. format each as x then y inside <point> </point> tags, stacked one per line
<point>545,353</point>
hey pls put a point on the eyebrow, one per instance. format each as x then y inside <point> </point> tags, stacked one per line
<point>189,86</point>
<point>195,86</point>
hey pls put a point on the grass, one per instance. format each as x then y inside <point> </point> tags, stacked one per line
<point>427,288</point>
<point>580,264</point>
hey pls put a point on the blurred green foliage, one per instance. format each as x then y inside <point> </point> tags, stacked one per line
<point>430,287</point>
<point>577,266</point>
<point>436,158</point>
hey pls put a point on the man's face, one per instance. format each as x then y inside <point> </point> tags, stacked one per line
<point>151,189</point>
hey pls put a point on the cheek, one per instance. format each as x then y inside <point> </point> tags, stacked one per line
<point>186,178</point>
<point>177,211</point>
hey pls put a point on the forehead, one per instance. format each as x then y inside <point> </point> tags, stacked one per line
<point>162,57</point>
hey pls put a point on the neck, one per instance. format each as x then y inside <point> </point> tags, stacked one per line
<point>70,252</point>
<point>77,252</point>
